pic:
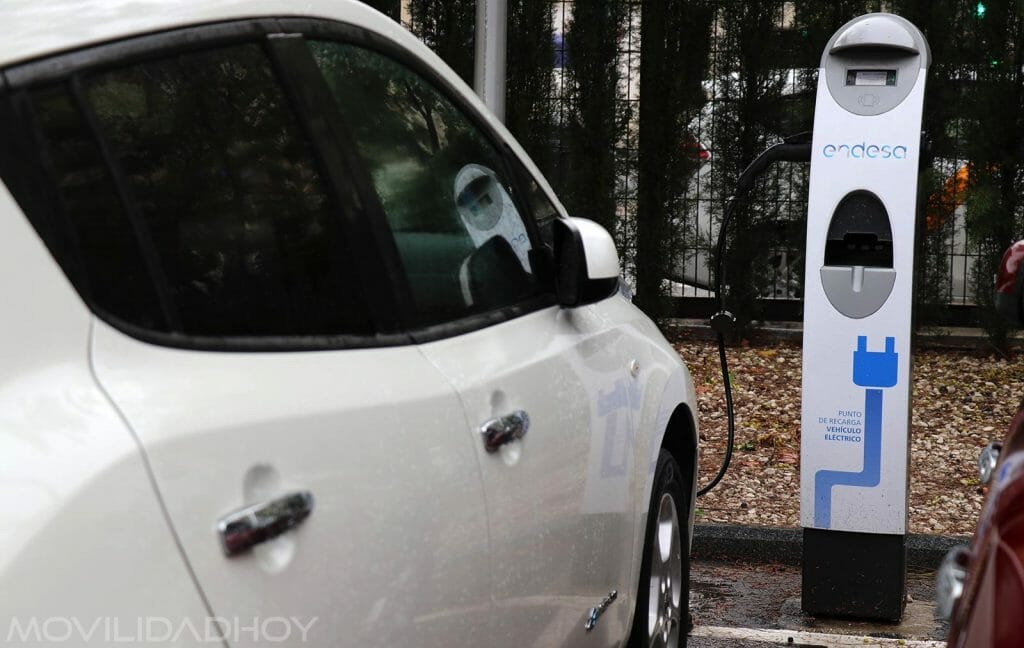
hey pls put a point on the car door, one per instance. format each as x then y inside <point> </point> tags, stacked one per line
<point>559,500</point>
<point>313,464</point>
<point>559,506</point>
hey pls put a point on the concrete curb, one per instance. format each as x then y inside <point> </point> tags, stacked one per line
<point>778,545</point>
<point>950,337</point>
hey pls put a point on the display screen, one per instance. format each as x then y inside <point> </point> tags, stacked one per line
<point>871,77</point>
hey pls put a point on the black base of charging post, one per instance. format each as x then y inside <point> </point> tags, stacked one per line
<point>854,575</point>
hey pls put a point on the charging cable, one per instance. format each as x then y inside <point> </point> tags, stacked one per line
<point>796,148</point>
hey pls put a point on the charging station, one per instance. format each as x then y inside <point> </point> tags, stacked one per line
<point>857,318</point>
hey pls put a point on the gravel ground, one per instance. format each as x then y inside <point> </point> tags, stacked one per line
<point>961,401</point>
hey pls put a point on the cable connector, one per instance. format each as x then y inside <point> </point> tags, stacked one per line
<point>723,323</point>
<point>795,148</point>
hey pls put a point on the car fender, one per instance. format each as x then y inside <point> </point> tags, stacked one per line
<point>664,388</point>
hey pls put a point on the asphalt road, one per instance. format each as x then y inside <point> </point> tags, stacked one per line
<point>707,642</point>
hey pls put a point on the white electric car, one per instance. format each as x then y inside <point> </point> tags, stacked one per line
<point>299,348</point>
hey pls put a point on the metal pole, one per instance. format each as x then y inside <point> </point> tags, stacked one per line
<point>491,46</point>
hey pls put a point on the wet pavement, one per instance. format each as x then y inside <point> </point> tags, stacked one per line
<point>703,642</point>
<point>758,604</point>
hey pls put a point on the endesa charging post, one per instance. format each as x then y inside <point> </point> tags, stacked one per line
<point>857,318</point>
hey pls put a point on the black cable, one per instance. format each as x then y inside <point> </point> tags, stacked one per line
<point>721,323</point>
<point>796,148</point>
<point>731,420</point>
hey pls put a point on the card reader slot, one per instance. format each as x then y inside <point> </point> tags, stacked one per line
<point>860,233</point>
<point>859,249</point>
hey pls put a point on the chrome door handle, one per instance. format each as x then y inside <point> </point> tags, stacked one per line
<point>244,528</point>
<point>499,431</point>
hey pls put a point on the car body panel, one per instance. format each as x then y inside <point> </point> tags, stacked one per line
<point>544,509</point>
<point>664,389</point>
<point>987,613</point>
<point>568,497</point>
<point>374,435</point>
<point>1010,269</point>
<point>1009,292</point>
<point>82,532</point>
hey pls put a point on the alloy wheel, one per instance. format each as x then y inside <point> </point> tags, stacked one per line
<point>664,617</point>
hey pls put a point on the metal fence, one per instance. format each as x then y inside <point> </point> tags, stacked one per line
<point>752,102</point>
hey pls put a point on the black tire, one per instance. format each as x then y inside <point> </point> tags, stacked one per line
<point>648,631</point>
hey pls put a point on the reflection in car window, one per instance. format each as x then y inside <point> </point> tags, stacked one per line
<point>463,243</point>
<point>115,273</point>
<point>543,210</point>
<point>222,186</point>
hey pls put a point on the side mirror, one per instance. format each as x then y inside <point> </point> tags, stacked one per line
<point>1010,284</point>
<point>586,262</point>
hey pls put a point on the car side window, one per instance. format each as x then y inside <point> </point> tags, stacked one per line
<point>543,209</point>
<point>219,206</point>
<point>462,239</point>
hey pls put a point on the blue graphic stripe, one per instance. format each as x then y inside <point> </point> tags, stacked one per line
<point>870,474</point>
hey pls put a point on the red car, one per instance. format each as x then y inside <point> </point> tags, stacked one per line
<point>982,586</point>
<point>1010,283</point>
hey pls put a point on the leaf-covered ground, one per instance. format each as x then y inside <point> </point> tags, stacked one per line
<point>961,401</point>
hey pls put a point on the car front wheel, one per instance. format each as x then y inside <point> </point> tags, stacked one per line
<point>663,595</point>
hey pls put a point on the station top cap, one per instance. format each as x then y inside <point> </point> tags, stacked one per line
<point>875,31</point>
<point>879,31</point>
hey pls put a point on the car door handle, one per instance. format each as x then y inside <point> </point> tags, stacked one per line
<point>499,431</point>
<point>247,527</point>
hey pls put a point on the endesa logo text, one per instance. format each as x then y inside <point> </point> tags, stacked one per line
<point>865,151</point>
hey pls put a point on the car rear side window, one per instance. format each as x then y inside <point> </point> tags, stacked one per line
<point>222,177</point>
<point>89,216</point>
<point>463,242</point>
<point>196,200</point>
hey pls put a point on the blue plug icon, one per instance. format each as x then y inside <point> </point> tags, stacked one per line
<point>875,368</point>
